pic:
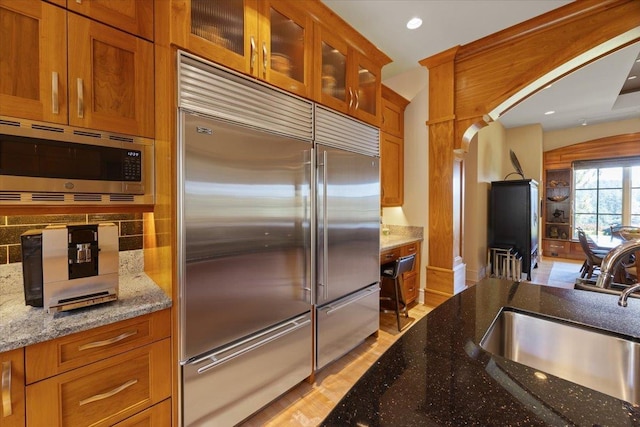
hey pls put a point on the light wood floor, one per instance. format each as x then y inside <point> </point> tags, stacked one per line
<point>307,404</point>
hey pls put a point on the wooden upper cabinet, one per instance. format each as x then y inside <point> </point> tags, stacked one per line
<point>33,61</point>
<point>391,170</point>
<point>132,16</point>
<point>110,79</point>
<point>365,80</point>
<point>269,39</point>
<point>346,80</point>
<point>392,148</point>
<point>286,43</point>
<point>106,83</point>
<point>331,53</point>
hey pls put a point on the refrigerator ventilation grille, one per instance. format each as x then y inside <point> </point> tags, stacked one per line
<point>339,131</point>
<point>208,89</point>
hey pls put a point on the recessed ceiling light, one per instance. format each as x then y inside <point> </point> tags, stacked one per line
<point>584,122</point>
<point>414,23</point>
<point>548,113</point>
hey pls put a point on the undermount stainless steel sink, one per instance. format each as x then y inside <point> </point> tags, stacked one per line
<point>592,358</point>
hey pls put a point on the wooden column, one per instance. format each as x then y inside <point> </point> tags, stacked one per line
<point>473,84</point>
<point>445,270</point>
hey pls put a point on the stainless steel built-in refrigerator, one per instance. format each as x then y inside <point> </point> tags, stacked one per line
<point>249,240</point>
<point>348,234</point>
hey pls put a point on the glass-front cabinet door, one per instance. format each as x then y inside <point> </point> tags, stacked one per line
<point>285,46</point>
<point>268,39</point>
<point>365,88</point>
<point>331,61</point>
<point>224,31</point>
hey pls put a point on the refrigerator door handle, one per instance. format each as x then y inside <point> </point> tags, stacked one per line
<point>272,334</point>
<point>365,293</point>
<point>325,228</point>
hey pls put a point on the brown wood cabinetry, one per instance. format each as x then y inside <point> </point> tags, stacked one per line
<point>410,280</point>
<point>12,406</point>
<point>392,148</point>
<point>347,80</point>
<point>102,376</point>
<point>33,76</point>
<point>132,16</point>
<point>105,83</point>
<point>267,39</point>
<point>110,79</point>
<point>301,47</point>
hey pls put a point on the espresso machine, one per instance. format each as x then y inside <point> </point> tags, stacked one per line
<point>70,266</point>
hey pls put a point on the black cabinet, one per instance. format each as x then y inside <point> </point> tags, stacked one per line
<point>513,219</point>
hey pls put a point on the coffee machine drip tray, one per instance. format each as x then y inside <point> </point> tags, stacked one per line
<point>70,303</point>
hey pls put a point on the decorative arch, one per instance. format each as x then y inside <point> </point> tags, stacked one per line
<point>471,85</point>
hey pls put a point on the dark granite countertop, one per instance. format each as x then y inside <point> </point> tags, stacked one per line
<point>436,374</point>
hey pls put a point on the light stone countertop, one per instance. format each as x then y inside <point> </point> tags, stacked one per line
<point>400,236</point>
<point>22,325</point>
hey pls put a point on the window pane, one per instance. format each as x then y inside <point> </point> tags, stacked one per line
<point>605,222</point>
<point>610,178</point>
<point>635,176</point>
<point>585,201</point>
<point>610,201</point>
<point>586,178</point>
<point>586,222</point>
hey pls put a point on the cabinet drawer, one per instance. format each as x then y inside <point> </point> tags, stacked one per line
<point>556,247</point>
<point>410,249</point>
<point>104,392</point>
<point>49,358</point>
<point>390,255</point>
<point>410,287</point>
<point>157,416</point>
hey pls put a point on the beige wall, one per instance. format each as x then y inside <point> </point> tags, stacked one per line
<point>486,161</point>
<point>564,137</point>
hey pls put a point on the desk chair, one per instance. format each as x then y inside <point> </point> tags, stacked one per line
<point>394,271</point>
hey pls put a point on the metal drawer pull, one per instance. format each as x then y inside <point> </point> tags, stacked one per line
<point>252,63</point>
<point>54,93</point>
<point>107,342</point>
<point>264,59</point>
<point>80,99</point>
<point>6,389</point>
<point>108,394</point>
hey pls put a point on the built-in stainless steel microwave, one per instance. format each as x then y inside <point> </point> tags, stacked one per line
<point>53,164</point>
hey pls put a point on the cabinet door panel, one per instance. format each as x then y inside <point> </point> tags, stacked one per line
<point>12,367</point>
<point>391,170</point>
<point>33,61</point>
<point>111,79</point>
<point>132,16</point>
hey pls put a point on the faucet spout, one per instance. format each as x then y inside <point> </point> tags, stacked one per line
<point>622,301</point>
<point>612,259</point>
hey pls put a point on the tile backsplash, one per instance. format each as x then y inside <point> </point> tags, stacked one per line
<point>130,230</point>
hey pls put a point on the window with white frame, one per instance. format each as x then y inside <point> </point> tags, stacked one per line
<point>606,193</point>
